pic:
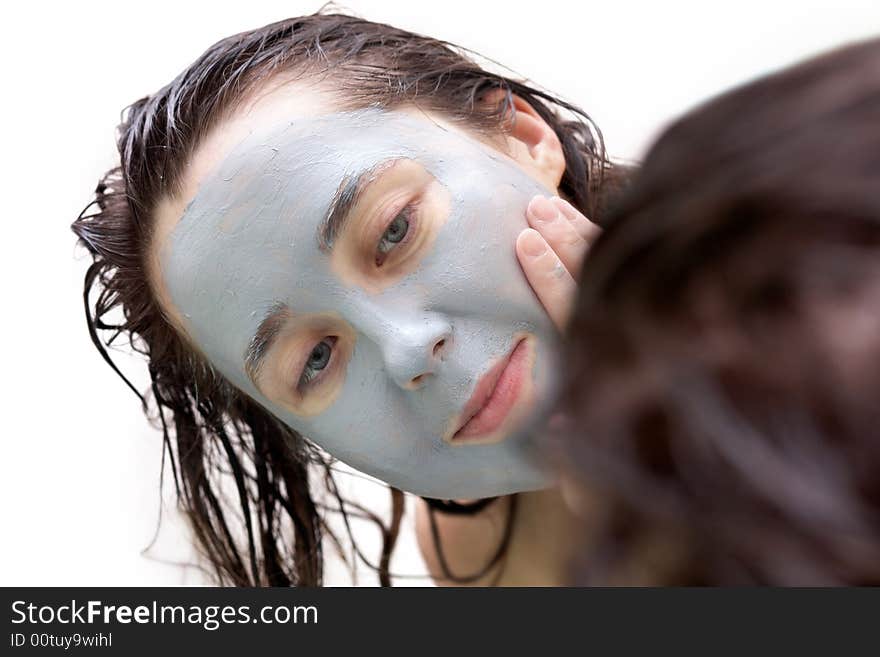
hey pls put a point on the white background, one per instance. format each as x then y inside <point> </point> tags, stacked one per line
<point>79,465</point>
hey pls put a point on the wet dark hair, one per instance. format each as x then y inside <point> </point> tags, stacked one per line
<point>270,534</point>
<point>724,364</point>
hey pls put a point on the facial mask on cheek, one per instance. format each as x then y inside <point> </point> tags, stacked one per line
<point>248,243</point>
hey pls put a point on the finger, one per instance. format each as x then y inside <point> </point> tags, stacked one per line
<point>559,232</point>
<point>585,228</point>
<point>547,275</point>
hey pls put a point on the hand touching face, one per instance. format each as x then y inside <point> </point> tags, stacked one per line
<point>551,253</point>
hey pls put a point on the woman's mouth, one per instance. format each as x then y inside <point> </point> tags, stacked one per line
<point>495,397</point>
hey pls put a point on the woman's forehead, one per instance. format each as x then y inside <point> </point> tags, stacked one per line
<point>294,171</point>
<point>272,106</point>
<point>304,123</point>
<point>279,104</point>
<point>269,106</point>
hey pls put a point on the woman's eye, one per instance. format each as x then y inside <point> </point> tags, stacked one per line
<point>394,234</point>
<point>317,360</point>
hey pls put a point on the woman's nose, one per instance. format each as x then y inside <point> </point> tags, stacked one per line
<point>412,349</point>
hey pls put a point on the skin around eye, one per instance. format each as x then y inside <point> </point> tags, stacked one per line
<point>306,367</point>
<point>393,228</point>
<point>397,234</point>
<point>317,362</point>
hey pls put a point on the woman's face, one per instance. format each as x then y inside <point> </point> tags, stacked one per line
<point>355,273</point>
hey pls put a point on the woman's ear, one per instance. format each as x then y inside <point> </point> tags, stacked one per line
<point>530,140</point>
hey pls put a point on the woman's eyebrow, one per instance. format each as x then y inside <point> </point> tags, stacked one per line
<point>264,337</point>
<point>349,192</point>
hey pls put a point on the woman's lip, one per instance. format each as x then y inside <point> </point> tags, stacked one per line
<point>494,396</point>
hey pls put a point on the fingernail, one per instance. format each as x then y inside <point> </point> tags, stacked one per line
<point>533,245</point>
<point>542,209</point>
<point>565,208</point>
<point>585,228</point>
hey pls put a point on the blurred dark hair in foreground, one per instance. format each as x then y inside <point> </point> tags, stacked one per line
<point>724,366</point>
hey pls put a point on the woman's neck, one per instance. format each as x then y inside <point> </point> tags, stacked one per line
<point>541,537</point>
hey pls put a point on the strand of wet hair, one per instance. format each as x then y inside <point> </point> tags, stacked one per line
<point>389,539</point>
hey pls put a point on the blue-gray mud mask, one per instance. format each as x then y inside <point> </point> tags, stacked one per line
<point>368,334</point>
